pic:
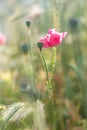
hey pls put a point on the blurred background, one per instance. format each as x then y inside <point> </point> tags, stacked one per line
<point>22,75</point>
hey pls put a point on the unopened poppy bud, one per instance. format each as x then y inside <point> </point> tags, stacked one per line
<point>28,23</point>
<point>74,22</point>
<point>40,45</point>
<point>24,48</point>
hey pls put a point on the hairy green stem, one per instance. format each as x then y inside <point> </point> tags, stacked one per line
<point>49,87</point>
<point>53,59</point>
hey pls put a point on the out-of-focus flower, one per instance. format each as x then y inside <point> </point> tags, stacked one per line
<point>2,38</point>
<point>74,22</point>
<point>35,11</point>
<point>53,38</point>
<point>6,76</point>
<point>24,48</point>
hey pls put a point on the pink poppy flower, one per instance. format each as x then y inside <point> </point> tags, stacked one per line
<point>53,38</point>
<point>2,38</point>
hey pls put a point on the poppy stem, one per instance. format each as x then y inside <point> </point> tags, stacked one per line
<point>49,87</point>
<point>53,59</point>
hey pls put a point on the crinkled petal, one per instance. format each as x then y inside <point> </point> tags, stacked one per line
<point>64,34</point>
<point>50,31</point>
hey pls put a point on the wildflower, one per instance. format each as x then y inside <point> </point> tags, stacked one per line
<point>2,38</point>
<point>52,39</point>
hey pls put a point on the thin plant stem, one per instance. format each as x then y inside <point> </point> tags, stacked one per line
<point>49,87</point>
<point>55,24</point>
<point>30,56</point>
<point>78,51</point>
<point>53,59</point>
